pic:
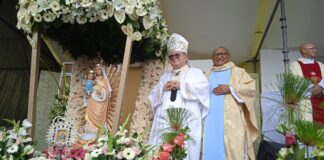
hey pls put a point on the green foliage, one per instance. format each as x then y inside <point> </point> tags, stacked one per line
<point>59,106</point>
<point>177,118</point>
<point>292,88</point>
<point>310,133</point>
<point>61,99</point>
<point>176,133</point>
<point>104,37</point>
<point>291,153</point>
<point>319,153</point>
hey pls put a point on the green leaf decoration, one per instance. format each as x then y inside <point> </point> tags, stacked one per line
<point>177,118</point>
<point>292,90</point>
<point>310,133</point>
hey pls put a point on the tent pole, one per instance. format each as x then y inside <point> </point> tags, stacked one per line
<point>285,50</point>
<point>33,83</point>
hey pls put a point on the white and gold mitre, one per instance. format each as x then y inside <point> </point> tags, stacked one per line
<point>177,43</point>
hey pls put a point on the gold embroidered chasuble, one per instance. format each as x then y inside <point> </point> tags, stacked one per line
<point>240,125</point>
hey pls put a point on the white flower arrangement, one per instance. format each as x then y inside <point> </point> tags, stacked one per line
<point>106,147</point>
<point>319,152</point>
<point>147,21</point>
<point>15,143</point>
<point>120,146</point>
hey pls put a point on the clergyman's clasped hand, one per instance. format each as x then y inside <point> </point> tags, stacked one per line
<point>317,90</point>
<point>222,89</point>
<point>171,85</point>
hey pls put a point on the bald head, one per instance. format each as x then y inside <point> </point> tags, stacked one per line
<point>308,50</point>
<point>221,56</point>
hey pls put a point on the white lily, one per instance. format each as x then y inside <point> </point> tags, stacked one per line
<point>81,19</point>
<point>12,149</point>
<point>133,16</point>
<point>49,17</point>
<point>32,8</point>
<point>22,2</point>
<point>38,18</point>
<point>55,6</point>
<point>104,14</point>
<point>110,9</point>
<point>22,13</point>
<point>129,9</point>
<point>148,22</point>
<point>118,5</point>
<point>68,2</point>
<point>137,36</point>
<point>141,11</point>
<point>43,5</point>
<point>26,123</point>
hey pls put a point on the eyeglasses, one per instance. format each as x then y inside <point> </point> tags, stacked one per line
<point>220,54</point>
<point>313,48</point>
<point>176,55</point>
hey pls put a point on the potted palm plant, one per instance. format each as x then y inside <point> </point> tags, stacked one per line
<point>293,90</point>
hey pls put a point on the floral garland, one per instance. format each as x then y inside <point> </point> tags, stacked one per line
<point>143,116</point>
<point>138,19</point>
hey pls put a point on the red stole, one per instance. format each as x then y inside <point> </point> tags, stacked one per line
<point>313,73</point>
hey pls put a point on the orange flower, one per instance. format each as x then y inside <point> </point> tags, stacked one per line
<point>179,140</point>
<point>164,155</point>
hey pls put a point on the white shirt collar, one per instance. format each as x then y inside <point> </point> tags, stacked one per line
<point>306,60</point>
<point>177,72</point>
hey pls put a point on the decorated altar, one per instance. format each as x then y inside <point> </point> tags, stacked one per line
<point>107,33</point>
<point>77,26</point>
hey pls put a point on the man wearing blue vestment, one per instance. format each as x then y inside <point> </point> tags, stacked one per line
<point>230,126</point>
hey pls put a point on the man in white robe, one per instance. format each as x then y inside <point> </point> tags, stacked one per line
<point>191,93</point>
<point>313,70</point>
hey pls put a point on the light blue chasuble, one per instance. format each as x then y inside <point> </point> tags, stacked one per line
<point>214,147</point>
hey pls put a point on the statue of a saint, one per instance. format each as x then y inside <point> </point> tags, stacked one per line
<point>97,108</point>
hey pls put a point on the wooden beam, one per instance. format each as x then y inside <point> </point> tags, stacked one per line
<point>52,50</point>
<point>261,21</point>
<point>122,84</point>
<point>33,83</point>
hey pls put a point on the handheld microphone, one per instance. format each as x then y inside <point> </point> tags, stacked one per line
<point>173,96</point>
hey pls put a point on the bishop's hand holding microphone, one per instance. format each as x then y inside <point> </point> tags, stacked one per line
<point>172,86</point>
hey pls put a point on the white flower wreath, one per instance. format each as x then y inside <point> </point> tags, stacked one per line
<point>145,14</point>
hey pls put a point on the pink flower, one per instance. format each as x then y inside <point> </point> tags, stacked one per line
<point>77,153</point>
<point>164,155</point>
<point>290,138</point>
<point>167,147</point>
<point>179,140</point>
<point>52,152</point>
<point>120,155</point>
<point>136,150</point>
